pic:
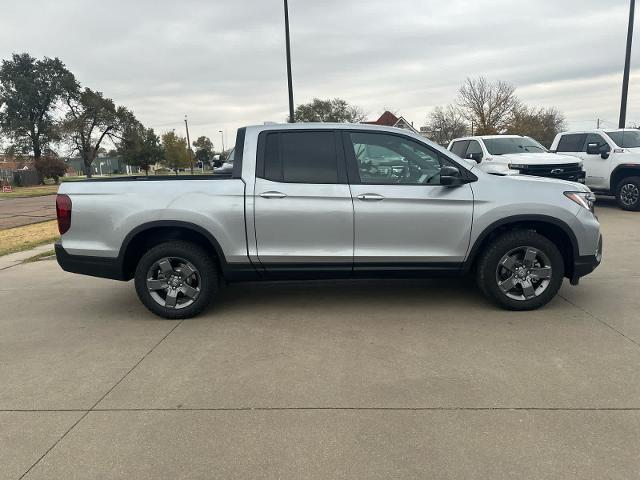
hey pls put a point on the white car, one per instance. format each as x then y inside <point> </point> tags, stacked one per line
<point>611,160</point>
<point>515,154</point>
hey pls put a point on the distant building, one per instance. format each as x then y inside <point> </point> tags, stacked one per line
<point>102,165</point>
<point>388,119</point>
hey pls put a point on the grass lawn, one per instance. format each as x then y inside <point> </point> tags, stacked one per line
<point>35,191</point>
<point>28,236</point>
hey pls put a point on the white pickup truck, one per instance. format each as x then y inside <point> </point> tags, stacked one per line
<point>611,160</point>
<point>329,201</point>
<point>515,154</point>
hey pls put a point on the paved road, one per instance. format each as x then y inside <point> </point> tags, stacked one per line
<point>381,379</point>
<point>15,212</point>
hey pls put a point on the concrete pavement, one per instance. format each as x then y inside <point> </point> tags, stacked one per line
<point>15,212</point>
<point>376,379</point>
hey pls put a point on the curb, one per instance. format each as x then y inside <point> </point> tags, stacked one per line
<point>13,259</point>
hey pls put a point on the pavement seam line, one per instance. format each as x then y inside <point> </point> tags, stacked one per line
<point>86,412</point>
<point>393,409</point>
<point>595,317</point>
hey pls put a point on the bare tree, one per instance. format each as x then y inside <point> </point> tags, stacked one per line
<point>543,124</point>
<point>489,105</point>
<point>446,123</point>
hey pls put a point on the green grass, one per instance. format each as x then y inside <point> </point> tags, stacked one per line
<point>35,191</point>
<point>18,239</point>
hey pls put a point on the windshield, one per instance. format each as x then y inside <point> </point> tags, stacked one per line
<point>504,146</point>
<point>625,138</point>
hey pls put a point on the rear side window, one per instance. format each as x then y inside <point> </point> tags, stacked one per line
<point>301,157</point>
<point>460,147</point>
<point>571,143</point>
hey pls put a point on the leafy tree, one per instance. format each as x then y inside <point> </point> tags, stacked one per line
<point>204,149</point>
<point>329,110</point>
<point>90,119</point>
<point>489,105</point>
<point>446,123</point>
<point>140,146</point>
<point>50,165</point>
<point>543,124</point>
<point>30,89</point>
<point>175,155</point>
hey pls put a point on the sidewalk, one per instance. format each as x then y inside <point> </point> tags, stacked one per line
<point>13,259</point>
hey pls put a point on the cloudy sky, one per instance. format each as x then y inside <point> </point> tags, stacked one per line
<point>222,62</point>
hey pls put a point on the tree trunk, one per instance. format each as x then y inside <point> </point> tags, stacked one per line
<point>87,169</point>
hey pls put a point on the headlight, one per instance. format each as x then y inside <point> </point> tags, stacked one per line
<point>584,199</point>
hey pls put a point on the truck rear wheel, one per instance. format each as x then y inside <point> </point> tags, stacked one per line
<point>176,279</point>
<point>628,193</point>
<point>521,270</point>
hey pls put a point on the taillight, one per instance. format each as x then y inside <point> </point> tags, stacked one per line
<point>63,211</point>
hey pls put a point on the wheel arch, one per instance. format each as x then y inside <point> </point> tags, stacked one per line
<point>552,228</point>
<point>150,234</point>
<point>621,172</point>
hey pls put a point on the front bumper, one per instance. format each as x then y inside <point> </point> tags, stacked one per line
<point>94,266</point>
<point>584,265</point>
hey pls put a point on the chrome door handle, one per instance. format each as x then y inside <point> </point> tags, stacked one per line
<point>370,197</point>
<point>273,195</point>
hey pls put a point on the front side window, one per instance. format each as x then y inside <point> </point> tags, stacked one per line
<point>572,142</point>
<point>474,152</point>
<point>595,138</point>
<point>301,157</point>
<point>390,159</point>
<point>625,138</point>
<point>459,148</point>
<point>508,145</point>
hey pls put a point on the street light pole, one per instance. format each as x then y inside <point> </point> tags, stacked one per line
<point>222,133</point>
<point>288,42</point>
<point>627,67</point>
<point>189,144</point>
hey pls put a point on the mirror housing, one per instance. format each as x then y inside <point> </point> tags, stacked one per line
<point>477,157</point>
<point>593,149</point>
<point>451,176</point>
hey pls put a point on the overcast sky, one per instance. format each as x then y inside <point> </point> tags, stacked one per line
<point>223,63</point>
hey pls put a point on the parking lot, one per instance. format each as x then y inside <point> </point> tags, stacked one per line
<point>376,379</point>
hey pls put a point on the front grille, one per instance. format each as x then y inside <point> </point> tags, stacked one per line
<point>570,171</point>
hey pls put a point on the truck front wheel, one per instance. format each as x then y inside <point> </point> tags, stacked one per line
<point>628,193</point>
<point>520,270</point>
<point>176,279</point>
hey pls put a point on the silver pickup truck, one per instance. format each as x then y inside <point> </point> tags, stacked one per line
<point>309,201</point>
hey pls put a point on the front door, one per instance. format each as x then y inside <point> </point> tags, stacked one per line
<point>302,202</point>
<point>597,168</point>
<point>404,217</point>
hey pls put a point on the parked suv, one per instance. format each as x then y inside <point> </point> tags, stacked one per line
<point>515,154</point>
<point>329,201</point>
<point>611,160</point>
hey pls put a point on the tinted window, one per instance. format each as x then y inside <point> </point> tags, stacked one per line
<point>459,148</point>
<point>595,138</point>
<point>626,138</point>
<point>507,145</point>
<point>474,149</point>
<point>388,159</point>
<point>301,157</point>
<point>571,143</point>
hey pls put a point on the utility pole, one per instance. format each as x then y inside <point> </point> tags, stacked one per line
<point>222,133</point>
<point>598,124</point>
<point>288,42</point>
<point>186,124</point>
<point>627,67</point>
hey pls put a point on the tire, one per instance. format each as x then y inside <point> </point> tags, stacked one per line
<point>176,279</point>
<point>507,261</point>
<point>628,194</point>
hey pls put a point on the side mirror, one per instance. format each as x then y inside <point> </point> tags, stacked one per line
<point>450,176</point>
<point>593,149</point>
<point>475,156</point>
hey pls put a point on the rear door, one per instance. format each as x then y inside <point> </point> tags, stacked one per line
<point>404,217</point>
<point>303,206</point>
